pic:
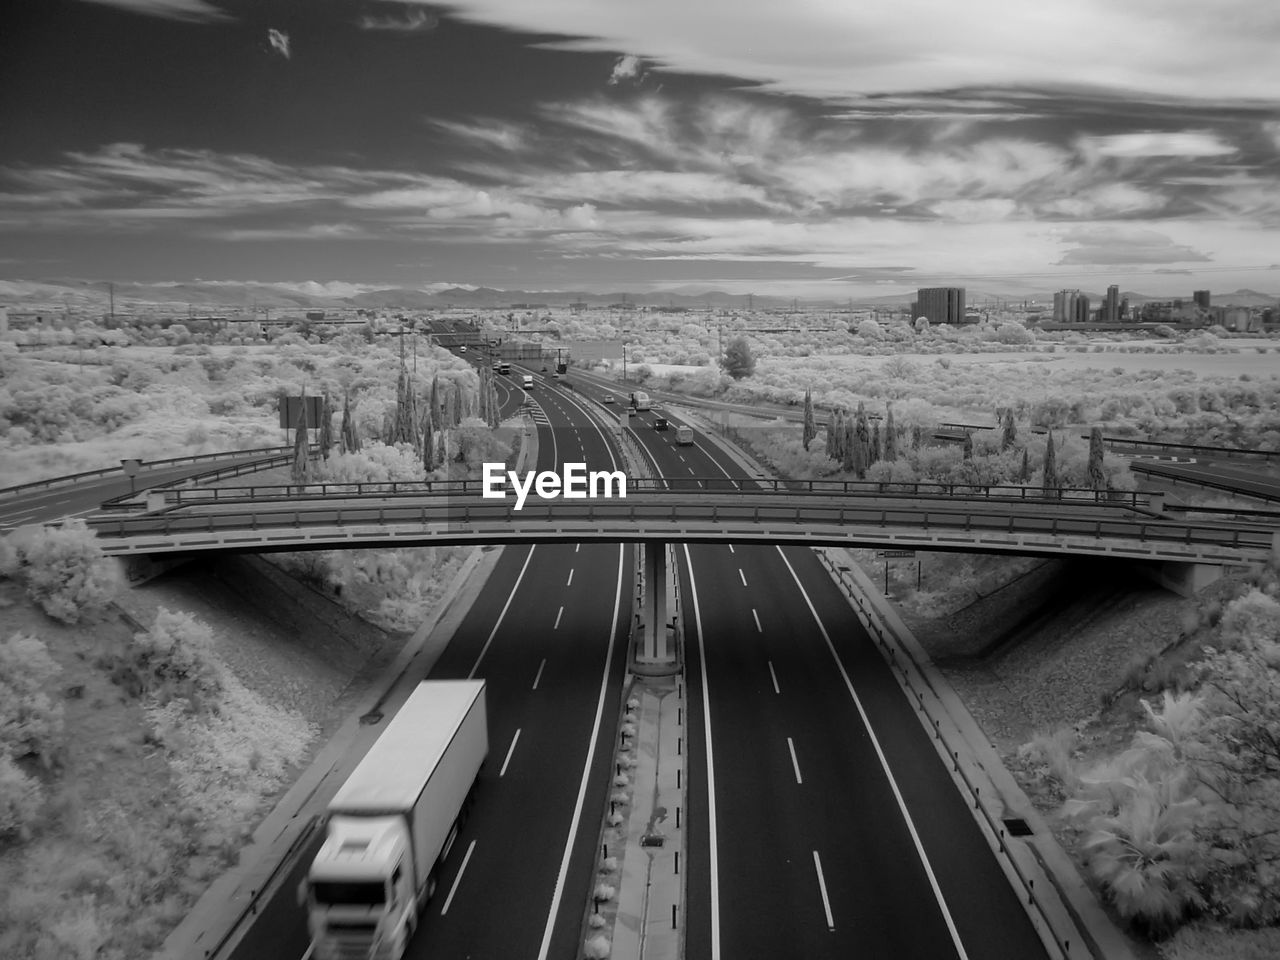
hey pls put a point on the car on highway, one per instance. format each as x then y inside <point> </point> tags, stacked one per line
<point>463,348</point>
<point>684,436</point>
<point>608,398</point>
<point>660,423</point>
<point>555,376</point>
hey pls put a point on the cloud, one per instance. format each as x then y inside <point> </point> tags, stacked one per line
<point>193,11</point>
<point>1113,246</point>
<point>279,41</point>
<point>1187,143</point>
<point>413,21</point>
<point>845,51</point>
<point>627,69</point>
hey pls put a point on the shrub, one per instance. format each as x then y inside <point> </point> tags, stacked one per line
<point>30,723</point>
<point>65,570</point>
<point>21,799</point>
<point>597,948</point>
<point>175,659</point>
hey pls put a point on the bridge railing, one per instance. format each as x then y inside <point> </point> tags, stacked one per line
<point>146,464</point>
<point>174,490</point>
<point>500,518</point>
<point>1131,499</point>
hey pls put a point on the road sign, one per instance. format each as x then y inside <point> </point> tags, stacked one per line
<point>589,350</point>
<point>891,554</point>
<point>290,407</point>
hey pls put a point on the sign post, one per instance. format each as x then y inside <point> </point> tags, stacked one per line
<point>887,555</point>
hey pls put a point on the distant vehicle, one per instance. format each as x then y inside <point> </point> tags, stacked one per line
<point>497,367</point>
<point>555,376</point>
<point>463,348</point>
<point>528,381</point>
<point>608,398</point>
<point>684,436</point>
<point>505,368</point>
<point>392,823</point>
<point>660,423</point>
<point>640,401</point>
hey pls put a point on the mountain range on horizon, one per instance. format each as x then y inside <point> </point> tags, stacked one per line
<point>83,296</point>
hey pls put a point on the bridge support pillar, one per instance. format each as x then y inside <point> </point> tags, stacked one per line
<point>655,651</point>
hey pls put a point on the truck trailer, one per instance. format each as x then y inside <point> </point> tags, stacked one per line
<point>392,823</point>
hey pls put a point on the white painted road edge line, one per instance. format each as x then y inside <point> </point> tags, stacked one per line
<point>822,886</point>
<point>884,763</point>
<point>775,678</point>
<point>454,889</point>
<point>498,623</point>
<point>310,950</point>
<point>795,764</point>
<point>586,768</point>
<point>538,675</point>
<point>510,750</point>
<point>711,776</point>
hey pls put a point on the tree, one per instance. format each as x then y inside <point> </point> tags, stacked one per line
<point>301,461</point>
<point>1010,433</point>
<point>890,437</point>
<point>326,427</point>
<point>1050,482</point>
<point>458,399</point>
<point>64,569</point>
<point>434,402</point>
<point>738,361</point>
<point>1097,475</point>
<point>810,430</point>
<point>403,429</point>
<point>350,435</point>
<point>968,445</point>
<point>1024,474</point>
<point>428,443</point>
<point>860,455</point>
<point>875,443</point>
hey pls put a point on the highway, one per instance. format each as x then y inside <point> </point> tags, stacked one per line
<point>548,635</point>
<point>821,823</point>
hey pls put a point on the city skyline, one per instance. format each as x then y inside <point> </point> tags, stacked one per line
<point>569,144</point>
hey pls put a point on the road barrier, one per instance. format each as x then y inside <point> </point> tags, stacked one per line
<point>146,464</point>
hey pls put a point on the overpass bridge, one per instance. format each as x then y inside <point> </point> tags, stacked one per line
<point>199,521</point>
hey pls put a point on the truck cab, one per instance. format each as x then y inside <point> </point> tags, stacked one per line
<point>640,401</point>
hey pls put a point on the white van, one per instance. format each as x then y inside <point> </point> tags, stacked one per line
<point>528,381</point>
<point>684,436</point>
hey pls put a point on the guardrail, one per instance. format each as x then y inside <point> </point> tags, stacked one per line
<point>1163,472</point>
<point>640,464</point>
<point>146,464</point>
<point>657,516</point>
<point>174,489</point>
<point>1226,453</point>
<point>891,650</point>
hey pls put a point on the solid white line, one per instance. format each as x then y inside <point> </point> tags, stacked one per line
<point>795,764</point>
<point>759,629</point>
<point>586,767</point>
<point>884,763</point>
<point>822,885</point>
<point>454,889</point>
<point>742,576</point>
<point>559,614</point>
<point>510,750</point>
<point>731,548</point>
<point>310,949</point>
<point>711,776</point>
<point>539,676</point>
<point>498,623</point>
<point>569,582</point>
<point>775,678</point>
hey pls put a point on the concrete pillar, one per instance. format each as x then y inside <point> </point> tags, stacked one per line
<point>656,648</point>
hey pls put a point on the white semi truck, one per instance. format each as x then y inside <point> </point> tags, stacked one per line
<point>393,822</point>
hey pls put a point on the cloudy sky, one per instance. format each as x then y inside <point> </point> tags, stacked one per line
<point>833,148</point>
